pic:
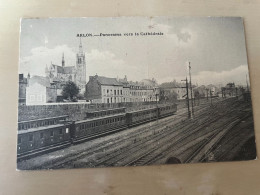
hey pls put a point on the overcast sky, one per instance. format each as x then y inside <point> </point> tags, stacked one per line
<point>215,46</point>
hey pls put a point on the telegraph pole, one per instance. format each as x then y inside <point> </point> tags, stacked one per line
<point>187,96</point>
<point>210,97</point>
<point>157,106</point>
<point>192,110</point>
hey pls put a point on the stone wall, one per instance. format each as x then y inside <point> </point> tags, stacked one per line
<point>75,111</point>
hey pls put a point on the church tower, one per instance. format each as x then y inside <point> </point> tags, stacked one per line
<point>81,68</point>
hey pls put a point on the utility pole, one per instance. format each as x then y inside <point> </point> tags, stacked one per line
<point>210,97</point>
<point>224,92</point>
<point>157,106</point>
<point>192,110</point>
<point>187,96</point>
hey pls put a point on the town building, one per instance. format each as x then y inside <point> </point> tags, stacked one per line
<point>126,89</point>
<point>181,93</point>
<point>144,91</point>
<point>229,90</point>
<point>179,90</point>
<point>40,91</point>
<point>101,89</point>
<point>62,74</point>
<point>22,89</point>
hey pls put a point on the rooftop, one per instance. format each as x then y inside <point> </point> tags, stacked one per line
<point>65,69</point>
<point>106,81</point>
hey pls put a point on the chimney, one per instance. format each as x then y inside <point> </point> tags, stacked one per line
<point>20,77</point>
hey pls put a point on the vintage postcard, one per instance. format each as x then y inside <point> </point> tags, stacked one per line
<point>133,91</point>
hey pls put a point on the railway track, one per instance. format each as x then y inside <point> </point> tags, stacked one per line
<point>135,149</point>
<point>231,143</point>
<point>228,126</point>
<point>89,151</point>
<point>147,155</point>
<point>127,143</point>
<point>128,140</point>
<point>194,150</point>
<point>102,146</point>
<point>83,155</point>
<point>169,147</point>
<point>123,155</point>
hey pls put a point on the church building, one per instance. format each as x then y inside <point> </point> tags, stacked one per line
<point>62,74</point>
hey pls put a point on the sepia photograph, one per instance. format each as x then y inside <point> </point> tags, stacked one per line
<point>133,91</point>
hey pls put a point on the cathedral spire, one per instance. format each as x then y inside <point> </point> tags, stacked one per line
<point>63,61</point>
<point>80,46</point>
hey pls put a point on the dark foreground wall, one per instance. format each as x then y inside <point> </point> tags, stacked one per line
<point>74,111</point>
<point>77,111</point>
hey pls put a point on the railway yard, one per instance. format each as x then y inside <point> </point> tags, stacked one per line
<point>221,131</point>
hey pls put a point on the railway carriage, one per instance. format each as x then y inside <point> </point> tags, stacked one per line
<point>97,127</point>
<point>38,140</point>
<point>23,125</point>
<point>141,116</point>
<point>167,110</point>
<point>102,113</point>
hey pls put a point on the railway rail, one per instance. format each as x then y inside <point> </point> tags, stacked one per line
<point>102,146</point>
<point>174,143</point>
<point>144,156</point>
<point>144,145</point>
<point>113,159</point>
<point>60,162</point>
<point>230,142</point>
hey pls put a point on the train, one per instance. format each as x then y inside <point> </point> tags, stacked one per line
<point>40,136</point>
